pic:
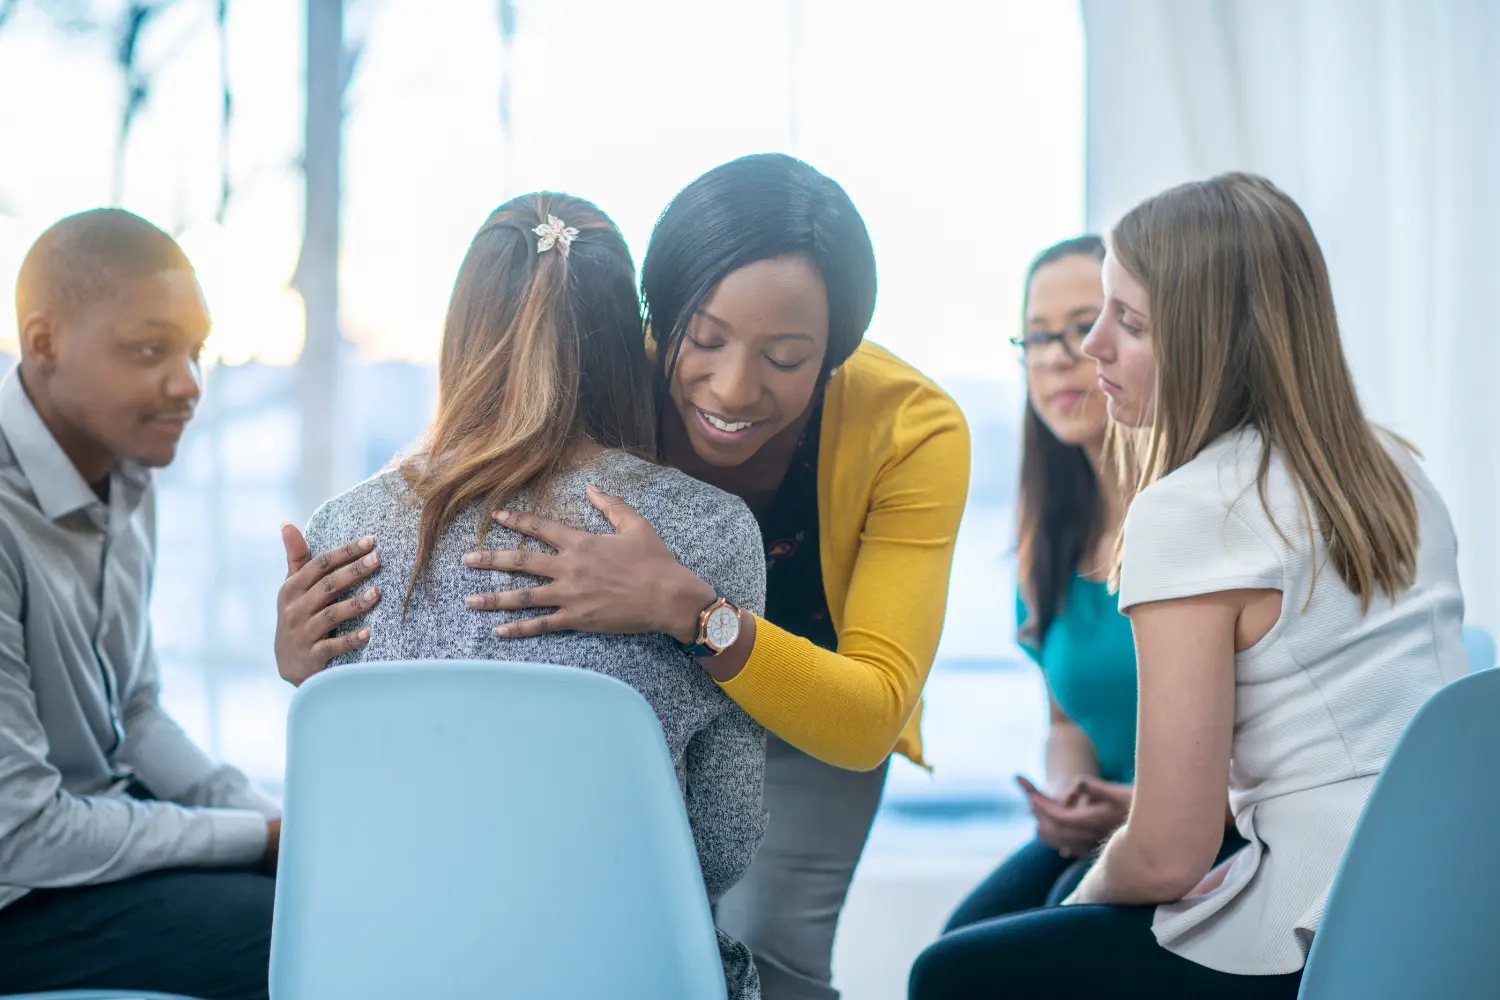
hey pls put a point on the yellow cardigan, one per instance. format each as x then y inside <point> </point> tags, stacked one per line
<point>893,477</point>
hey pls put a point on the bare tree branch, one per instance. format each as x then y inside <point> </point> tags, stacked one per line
<point>133,24</point>
<point>179,45</point>
<point>73,16</point>
<point>226,111</point>
<point>506,12</point>
<point>137,17</point>
<point>316,276</point>
<point>76,17</point>
<point>353,52</point>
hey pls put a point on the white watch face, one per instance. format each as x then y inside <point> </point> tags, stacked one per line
<point>722,628</point>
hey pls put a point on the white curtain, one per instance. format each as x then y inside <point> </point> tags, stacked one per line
<point>1382,118</point>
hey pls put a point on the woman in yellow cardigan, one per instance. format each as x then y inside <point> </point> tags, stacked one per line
<point>760,279</point>
<point>760,282</point>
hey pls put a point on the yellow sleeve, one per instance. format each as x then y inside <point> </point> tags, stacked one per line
<point>849,708</point>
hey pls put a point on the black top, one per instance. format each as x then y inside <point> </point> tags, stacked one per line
<point>795,599</point>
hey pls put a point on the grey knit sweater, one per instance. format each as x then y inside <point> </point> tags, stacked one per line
<point>719,752</point>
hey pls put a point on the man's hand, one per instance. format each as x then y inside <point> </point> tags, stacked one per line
<point>306,612</point>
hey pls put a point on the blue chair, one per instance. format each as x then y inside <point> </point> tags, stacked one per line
<point>485,830</point>
<point>1480,647</point>
<point>1413,911</point>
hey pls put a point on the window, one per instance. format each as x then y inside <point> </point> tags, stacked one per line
<point>957,129</point>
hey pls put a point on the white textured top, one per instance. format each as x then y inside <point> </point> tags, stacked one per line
<point>1319,702</point>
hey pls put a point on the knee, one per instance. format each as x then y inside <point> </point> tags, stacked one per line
<point>932,974</point>
<point>958,921</point>
<point>973,962</point>
<point>970,912</point>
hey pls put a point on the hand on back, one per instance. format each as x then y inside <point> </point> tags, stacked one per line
<point>621,583</point>
<point>308,609</point>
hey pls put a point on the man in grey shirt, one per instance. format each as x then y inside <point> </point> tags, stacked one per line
<point>128,859</point>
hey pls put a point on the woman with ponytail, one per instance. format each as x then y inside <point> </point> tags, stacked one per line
<point>759,284</point>
<point>544,389</point>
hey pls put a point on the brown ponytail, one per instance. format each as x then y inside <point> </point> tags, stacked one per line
<point>542,353</point>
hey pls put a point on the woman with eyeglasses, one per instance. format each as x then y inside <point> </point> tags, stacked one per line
<point>1068,622</point>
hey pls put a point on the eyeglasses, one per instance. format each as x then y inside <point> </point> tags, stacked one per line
<point>1033,345</point>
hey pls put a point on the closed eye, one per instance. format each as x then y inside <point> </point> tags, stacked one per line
<point>1133,329</point>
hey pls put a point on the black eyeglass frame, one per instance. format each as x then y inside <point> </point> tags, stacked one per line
<point>1034,343</point>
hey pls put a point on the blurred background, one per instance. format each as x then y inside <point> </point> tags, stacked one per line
<point>325,164</point>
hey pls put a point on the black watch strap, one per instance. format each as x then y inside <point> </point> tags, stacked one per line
<point>698,650</point>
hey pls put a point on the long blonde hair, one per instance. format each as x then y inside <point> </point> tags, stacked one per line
<point>543,352</point>
<point>1245,335</point>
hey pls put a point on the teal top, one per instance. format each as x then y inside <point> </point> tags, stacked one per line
<point>1088,657</point>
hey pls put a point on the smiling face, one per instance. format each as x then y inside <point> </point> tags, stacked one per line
<point>122,372</point>
<point>1065,297</point>
<point>751,357</point>
<point>1121,345</point>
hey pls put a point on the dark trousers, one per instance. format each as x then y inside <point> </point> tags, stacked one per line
<point>1037,876</point>
<point>1076,953</point>
<point>1033,877</point>
<point>1010,939</point>
<point>202,933</point>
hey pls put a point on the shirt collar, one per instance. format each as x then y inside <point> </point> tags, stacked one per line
<point>59,488</point>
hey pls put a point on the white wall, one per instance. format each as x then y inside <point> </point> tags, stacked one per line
<point>1382,118</point>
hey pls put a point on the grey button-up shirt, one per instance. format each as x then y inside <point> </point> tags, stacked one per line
<point>80,715</point>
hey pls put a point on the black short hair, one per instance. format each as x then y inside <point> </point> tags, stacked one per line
<point>753,209</point>
<point>81,258</point>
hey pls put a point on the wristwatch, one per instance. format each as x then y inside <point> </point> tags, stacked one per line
<point>718,628</point>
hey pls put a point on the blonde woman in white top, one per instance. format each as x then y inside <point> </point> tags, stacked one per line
<point>1291,579</point>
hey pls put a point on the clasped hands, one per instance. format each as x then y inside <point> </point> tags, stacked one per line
<point>1076,823</point>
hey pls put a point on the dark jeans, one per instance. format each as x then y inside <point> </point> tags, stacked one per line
<point>202,933</point>
<point>1037,876</point>
<point>1076,953</point>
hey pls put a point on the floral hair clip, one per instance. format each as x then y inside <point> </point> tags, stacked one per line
<point>554,233</point>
